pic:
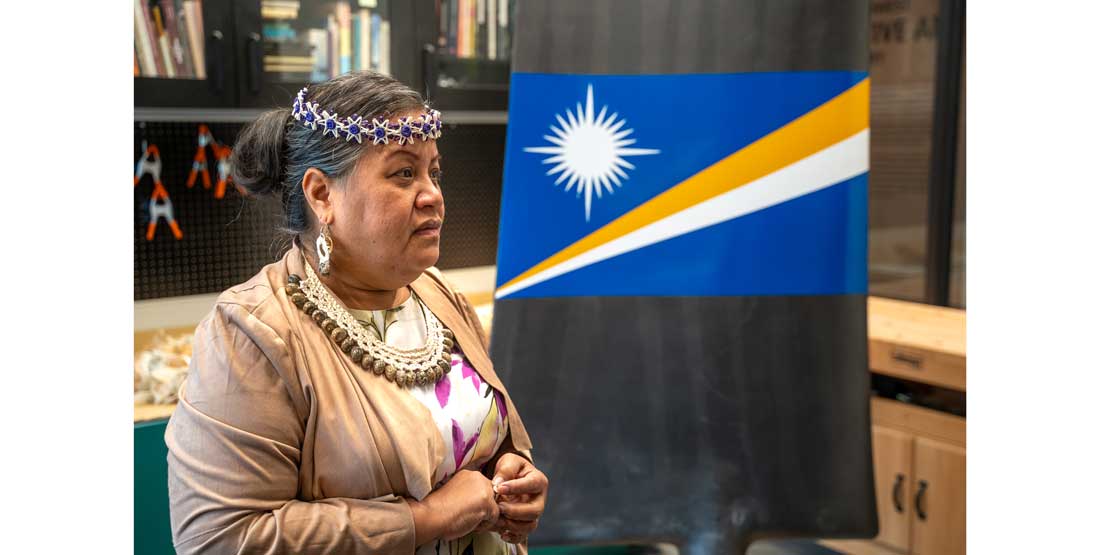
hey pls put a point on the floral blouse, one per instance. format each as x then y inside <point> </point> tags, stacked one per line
<point>471,416</point>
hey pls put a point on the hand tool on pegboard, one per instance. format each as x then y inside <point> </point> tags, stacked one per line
<point>160,206</point>
<point>221,154</point>
<point>198,165</point>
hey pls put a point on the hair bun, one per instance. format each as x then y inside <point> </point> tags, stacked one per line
<point>258,160</point>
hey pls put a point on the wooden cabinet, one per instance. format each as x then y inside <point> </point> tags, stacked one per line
<point>939,477</point>
<point>919,454</point>
<point>893,455</point>
<point>920,479</point>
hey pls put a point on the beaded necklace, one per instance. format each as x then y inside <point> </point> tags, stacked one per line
<point>404,367</point>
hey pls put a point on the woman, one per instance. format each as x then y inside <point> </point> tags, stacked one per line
<point>342,400</point>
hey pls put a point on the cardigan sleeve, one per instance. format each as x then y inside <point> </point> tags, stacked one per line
<point>234,450</point>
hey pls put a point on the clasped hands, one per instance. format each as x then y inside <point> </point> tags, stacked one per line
<point>521,497</point>
<point>510,504</point>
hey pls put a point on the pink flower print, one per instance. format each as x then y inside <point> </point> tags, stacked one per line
<point>460,444</point>
<point>469,372</point>
<point>443,390</point>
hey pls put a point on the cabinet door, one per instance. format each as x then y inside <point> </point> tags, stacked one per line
<point>893,454</point>
<point>939,498</point>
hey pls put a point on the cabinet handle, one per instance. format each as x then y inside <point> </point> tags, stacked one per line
<point>911,359</point>
<point>919,501</point>
<point>897,493</point>
<point>216,61</point>
<point>255,59</point>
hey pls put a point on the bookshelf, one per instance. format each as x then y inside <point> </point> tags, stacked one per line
<point>197,56</point>
<point>256,54</point>
<point>180,54</point>
<point>468,65</point>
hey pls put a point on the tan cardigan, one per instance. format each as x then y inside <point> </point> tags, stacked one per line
<point>281,444</point>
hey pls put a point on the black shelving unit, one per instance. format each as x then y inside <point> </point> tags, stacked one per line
<point>217,90</point>
<point>234,62</point>
<point>453,83</point>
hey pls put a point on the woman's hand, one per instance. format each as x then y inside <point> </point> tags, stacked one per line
<point>522,489</point>
<point>464,504</point>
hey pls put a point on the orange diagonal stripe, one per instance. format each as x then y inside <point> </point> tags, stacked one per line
<point>837,119</point>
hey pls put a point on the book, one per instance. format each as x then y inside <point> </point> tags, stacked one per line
<point>471,31</point>
<point>333,46</point>
<point>292,60</point>
<point>481,33</point>
<point>491,27</point>
<point>196,36</point>
<point>375,40</point>
<point>154,41</point>
<point>168,12</point>
<point>318,39</point>
<point>442,10</point>
<point>278,31</point>
<point>343,20</point>
<point>356,40</point>
<point>452,27</point>
<point>504,34</point>
<point>162,40</point>
<point>279,9</point>
<point>184,41</point>
<point>364,18</point>
<point>463,28</point>
<point>143,43</point>
<point>384,47</point>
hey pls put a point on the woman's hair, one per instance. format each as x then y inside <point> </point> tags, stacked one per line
<point>272,154</point>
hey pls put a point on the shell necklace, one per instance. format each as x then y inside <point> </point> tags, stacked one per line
<point>404,367</point>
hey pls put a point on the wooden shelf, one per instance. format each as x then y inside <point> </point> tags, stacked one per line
<point>144,412</point>
<point>917,342</point>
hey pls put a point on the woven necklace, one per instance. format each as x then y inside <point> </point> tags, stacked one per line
<point>404,367</point>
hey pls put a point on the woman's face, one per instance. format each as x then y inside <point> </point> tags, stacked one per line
<point>387,217</point>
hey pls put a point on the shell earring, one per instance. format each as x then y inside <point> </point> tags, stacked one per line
<point>324,251</point>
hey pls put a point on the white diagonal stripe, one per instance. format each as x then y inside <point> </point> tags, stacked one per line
<point>829,166</point>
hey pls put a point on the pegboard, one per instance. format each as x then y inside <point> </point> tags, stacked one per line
<point>473,170</point>
<point>227,241</point>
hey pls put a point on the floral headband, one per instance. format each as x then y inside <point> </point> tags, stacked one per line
<point>380,131</point>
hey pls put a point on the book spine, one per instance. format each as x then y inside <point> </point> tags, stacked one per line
<point>162,40</point>
<point>343,16</point>
<point>333,46</point>
<point>442,9</point>
<point>375,40</point>
<point>491,26</point>
<point>184,40</point>
<point>197,36</point>
<point>471,31</point>
<point>481,34</point>
<point>463,27</point>
<point>170,27</point>
<point>151,30</point>
<point>384,47</point>
<point>356,42</point>
<point>504,35</point>
<point>452,27</point>
<point>318,39</point>
<point>144,45</point>
<point>364,46</point>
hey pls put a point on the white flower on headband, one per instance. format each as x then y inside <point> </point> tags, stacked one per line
<point>407,130</point>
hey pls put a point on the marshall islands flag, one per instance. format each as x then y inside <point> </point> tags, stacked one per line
<point>681,273</point>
